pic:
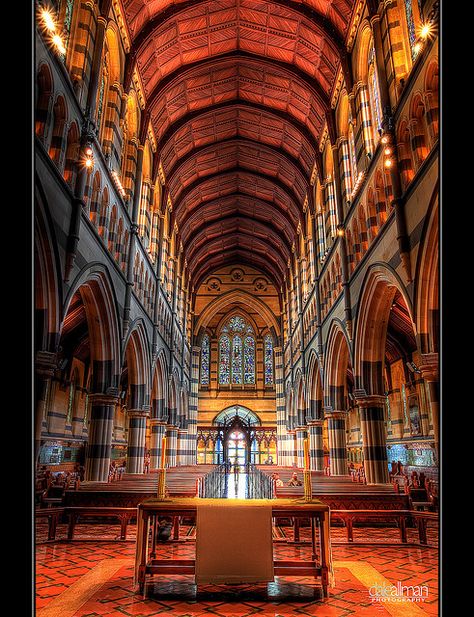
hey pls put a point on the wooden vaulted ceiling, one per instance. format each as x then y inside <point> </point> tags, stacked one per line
<point>238,92</point>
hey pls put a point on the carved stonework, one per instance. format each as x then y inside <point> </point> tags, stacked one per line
<point>237,274</point>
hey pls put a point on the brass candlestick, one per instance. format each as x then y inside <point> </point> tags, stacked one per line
<point>161,484</point>
<point>308,489</point>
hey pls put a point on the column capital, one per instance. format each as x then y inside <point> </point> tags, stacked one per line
<point>319,422</point>
<point>45,363</point>
<point>157,422</point>
<point>429,366</point>
<point>101,398</point>
<point>371,400</point>
<point>139,413</point>
<point>335,415</point>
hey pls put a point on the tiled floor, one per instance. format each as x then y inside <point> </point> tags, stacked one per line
<point>91,578</point>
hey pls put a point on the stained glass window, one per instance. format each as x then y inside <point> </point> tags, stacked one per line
<point>411,26</point>
<point>374,92</point>
<point>237,360</point>
<point>70,404</point>
<point>86,410</point>
<point>249,359</point>
<point>237,353</point>
<point>268,360</point>
<point>224,360</point>
<point>205,357</point>
<point>352,153</point>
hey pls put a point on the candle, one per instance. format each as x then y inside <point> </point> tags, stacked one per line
<point>306,453</point>
<point>163,452</point>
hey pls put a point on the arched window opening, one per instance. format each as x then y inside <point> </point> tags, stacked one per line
<point>72,154</point>
<point>237,353</point>
<point>71,404</point>
<point>405,156</point>
<point>58,141</point>
<point>374,95</point>
<point>352,153</point>
<point>44,93</point>
<point>268,360</point>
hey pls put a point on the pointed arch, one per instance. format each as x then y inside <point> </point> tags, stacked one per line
<point>377,294</point>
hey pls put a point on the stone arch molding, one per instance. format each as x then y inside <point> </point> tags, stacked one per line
<point>244,298</point>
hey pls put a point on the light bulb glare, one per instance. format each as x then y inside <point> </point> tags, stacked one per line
<point>425,30</point>
<point>57,40</point>
<point>388,151</point>
<point>388,163</point>
<point>48,20</point>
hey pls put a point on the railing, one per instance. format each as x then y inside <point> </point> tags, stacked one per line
<point>260,485</point>
<point>214,484</point>
<point>402,519</point>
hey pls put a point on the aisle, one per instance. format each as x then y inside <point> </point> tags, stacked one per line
<point>236,486</point>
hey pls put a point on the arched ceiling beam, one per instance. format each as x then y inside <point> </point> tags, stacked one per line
<point>307,82</point>
<point>239,257</point>
<point>188,118</point>
<point>234,205</point>
<point>180,165</point>
<point>324,25</point>
<point>237,296</point>
<point>292,199</point>
<point>232,225</point>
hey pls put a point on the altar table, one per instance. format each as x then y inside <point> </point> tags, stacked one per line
<point>319,563</point>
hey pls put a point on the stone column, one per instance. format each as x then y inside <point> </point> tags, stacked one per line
<point>291,448</point>
<point>193,405</point>
<point>316,453</point>
<point>171,446</point>
<point>44,370</point>
<point>136,440</point>
<point>99,448</point>
<point>157,432</point>
<point>430,372</point>
<point>337,442</point>
<point>280,407</point>
<point>301,434</point>
<point>182,447</point>
<point>372,420</point>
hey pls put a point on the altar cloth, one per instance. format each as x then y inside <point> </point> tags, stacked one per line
<point>234,542</point>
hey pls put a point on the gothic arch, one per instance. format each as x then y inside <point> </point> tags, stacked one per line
<point>97,293</point>
<point>378,292</point>
<point>237,296</point>
<point>427,275</point>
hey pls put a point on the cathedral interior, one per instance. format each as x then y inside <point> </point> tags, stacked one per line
<point>236,298</point>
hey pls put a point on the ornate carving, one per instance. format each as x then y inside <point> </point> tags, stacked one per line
<point>237,274</point>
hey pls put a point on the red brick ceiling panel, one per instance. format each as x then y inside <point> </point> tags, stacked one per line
<point>243,207</point>
<point>238,182</point>
<point>139,13</point>
<point>235,257</point>
<point>241,243</point>
<point>237,153</point>
<point>209,29</point>
<point>237,122</point>
<point>233,226</point>
<point>237,79</point>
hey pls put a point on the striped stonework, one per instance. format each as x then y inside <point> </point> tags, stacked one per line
<point>280,407</point>
<point>365,143</point>
<point>316,453</point>
<point>337,442</point>
<point>171,446</point>
<point>102,411</point>
<point>345,170</point>
<point>430,373</point>
<point>372,421</point>
<point>136,440</point>
<point>291,452</point>
<point>193,404</point>
<point>112,135</point>
<point>301,434</point>
<point>182,455</point>
<point>157,432</point>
